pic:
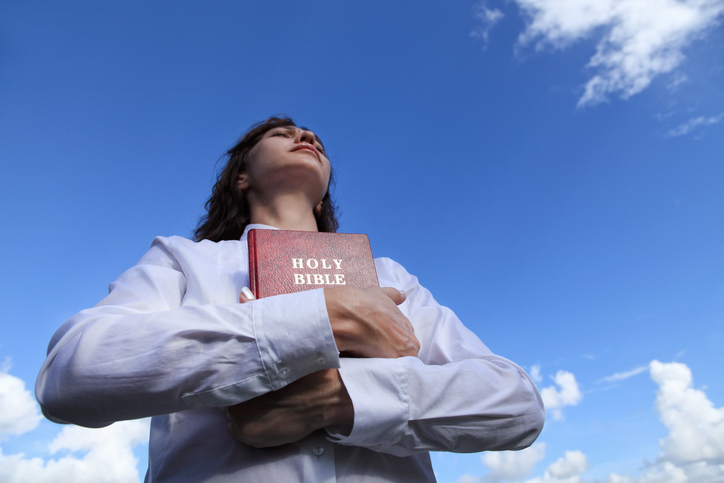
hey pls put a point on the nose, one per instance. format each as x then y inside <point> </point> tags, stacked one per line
<point>306,136</point>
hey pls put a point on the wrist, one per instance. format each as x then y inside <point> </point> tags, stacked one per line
<point>339,410</point>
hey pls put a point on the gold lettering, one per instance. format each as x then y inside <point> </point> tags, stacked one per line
<point>325,265</point>
<point>309,280</point>
<point>298,279</point>
<point>327,280</point>
<point>309,263</point>
<point>318,280</point>
<point>338,263</point>
<point>339,277</point>
<point>297,263</point>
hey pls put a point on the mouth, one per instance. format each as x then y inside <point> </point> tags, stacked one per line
<point>307,147</point>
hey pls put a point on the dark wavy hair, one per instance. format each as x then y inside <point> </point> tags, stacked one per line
<point>227,210</point>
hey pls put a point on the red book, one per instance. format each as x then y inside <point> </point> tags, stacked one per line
<point>285,261</point>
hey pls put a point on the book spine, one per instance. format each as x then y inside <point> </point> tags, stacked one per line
<point>253,282</point>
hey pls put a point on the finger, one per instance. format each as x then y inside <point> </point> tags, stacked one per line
<point>397,296</point>
<point>246,295</point>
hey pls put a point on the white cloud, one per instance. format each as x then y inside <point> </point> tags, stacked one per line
<point>466,478</point>
<point>567,469</point>
<point>568,395</point>
<point>108,457</point>
<point>620,376</point>
<point>107,454</point>
<point>637,39</point>
<point>692,452</point>
<point>573,463</point>
<point>19,412</point>
<point>691,124</point>
<point>512,465</point>
<point>696,427</point>
<point>535,373</point>
<point>487,18</point>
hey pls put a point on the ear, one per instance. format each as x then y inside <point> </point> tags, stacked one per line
<point>318,209</point>
<point>242,182</point>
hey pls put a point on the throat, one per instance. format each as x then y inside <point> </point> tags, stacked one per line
<point>284,212</point>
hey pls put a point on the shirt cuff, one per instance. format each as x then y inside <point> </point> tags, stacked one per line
<point>378,389</point>
<point>294,336</point>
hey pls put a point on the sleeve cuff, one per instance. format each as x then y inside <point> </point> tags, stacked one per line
<point>378,389</point>
<point>294,336</point>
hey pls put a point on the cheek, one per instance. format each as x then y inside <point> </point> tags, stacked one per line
<point>256,162</point>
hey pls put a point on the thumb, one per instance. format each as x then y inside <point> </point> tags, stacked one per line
<point>397,296</point>
<point>246,295</point>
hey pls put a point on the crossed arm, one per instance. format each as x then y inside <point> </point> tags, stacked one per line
<point>171,336</point>
<point>365,323</point>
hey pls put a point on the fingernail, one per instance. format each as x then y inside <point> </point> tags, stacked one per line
<point>402,292</point>
<point>247,293</point>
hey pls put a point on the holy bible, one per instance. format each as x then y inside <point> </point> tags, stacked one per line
<point>285,261</point>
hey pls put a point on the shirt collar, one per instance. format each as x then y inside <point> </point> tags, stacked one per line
<point>257,226</point>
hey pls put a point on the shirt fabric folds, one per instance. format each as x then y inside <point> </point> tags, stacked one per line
<point>172,341</point>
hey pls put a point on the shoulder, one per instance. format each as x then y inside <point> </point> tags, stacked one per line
<point>176,242</point>
<point>178,248</point>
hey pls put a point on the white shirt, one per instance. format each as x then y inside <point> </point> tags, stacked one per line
<point>172,341</point>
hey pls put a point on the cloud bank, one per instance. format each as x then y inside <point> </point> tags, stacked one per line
<point>693,450</point>
<point>638,40</point>
<point>108,459</point>
<point>85,455</point>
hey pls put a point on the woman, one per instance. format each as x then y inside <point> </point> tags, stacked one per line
<point>335,384</point>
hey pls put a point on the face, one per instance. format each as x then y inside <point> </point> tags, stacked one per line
<point>287,158</point>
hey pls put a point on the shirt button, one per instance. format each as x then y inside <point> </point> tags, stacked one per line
<point>321,360</point>
<point>284,372</point>
<point>318,450</point>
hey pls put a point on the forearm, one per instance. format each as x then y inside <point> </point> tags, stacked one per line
<point>112,363</point>
<point>455,396</point>
<point>403,406</point>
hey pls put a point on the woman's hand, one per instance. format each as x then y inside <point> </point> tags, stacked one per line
<point>293,412</point>
<point>367,322</point>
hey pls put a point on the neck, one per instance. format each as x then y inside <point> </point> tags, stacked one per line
<point>290,212</point>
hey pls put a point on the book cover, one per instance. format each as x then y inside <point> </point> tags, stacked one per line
<point>285,261</point>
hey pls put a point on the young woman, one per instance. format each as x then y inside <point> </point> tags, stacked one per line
<point>336,384</point>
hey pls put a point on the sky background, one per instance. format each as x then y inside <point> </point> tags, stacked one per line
<point>550,169</point>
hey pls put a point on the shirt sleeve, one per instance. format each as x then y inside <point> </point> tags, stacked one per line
<point>455,396</point>
<point>144,351</point>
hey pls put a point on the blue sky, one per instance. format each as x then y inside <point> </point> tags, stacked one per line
<point>551,170</point>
